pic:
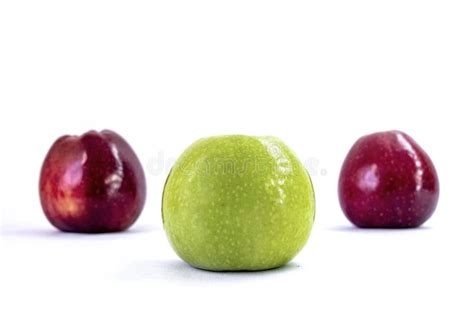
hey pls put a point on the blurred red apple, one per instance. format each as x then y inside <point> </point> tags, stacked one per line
<point>92,184</point>
<point>388,181</point>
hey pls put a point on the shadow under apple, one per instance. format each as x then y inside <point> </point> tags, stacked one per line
<point>181,272</point>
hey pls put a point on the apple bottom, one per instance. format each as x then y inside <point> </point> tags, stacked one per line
<point>74,215</point>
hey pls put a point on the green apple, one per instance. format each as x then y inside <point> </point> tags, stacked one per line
<point>238,203</point>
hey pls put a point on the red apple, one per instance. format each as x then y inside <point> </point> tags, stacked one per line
<point>92,184</point>
<point>388,181</point>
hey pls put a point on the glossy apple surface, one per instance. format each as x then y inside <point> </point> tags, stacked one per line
<point>238,203</point>
<point>92,184</point>
<point>388,181</point>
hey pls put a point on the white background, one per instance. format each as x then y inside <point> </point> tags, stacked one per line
<point>317,74</point>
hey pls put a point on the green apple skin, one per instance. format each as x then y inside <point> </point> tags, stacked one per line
<point>238,203</point>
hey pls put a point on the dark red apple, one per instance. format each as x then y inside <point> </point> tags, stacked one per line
<point>388,181</point>
<point>92,184</point>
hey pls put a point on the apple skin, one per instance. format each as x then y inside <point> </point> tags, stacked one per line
<point>92,184</point>
<point>234,203</point>
<point>388,181</point>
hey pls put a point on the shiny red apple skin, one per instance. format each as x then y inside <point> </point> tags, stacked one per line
<point>92,184</point>
<point>388,181</point>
